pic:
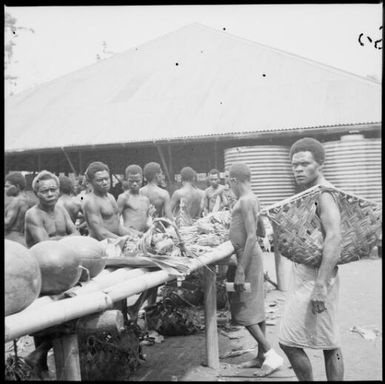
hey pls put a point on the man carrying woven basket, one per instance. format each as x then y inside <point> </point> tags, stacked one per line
<point>309,319</point>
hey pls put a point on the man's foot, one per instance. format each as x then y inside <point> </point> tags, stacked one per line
<point>253,363</point>
<point>272,362</point>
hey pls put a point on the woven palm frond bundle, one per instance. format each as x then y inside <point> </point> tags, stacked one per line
<point>298,228</point>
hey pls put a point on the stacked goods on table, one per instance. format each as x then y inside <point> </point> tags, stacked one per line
<point>298,229</point>
<point>168,247</point>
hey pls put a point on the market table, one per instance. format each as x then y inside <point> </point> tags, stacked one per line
<point>99,294</point>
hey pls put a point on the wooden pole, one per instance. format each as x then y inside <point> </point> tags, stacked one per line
<point>170,165</point>
<point>80,162</point>
<point>24,323</point>
<point>67,362</point>
<point>111,320</point>
<point>215,154</point>
<point>69,161</point>
<point>210,304</point>
<point>163,160</point>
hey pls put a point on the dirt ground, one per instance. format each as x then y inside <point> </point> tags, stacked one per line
<point>182,358</point>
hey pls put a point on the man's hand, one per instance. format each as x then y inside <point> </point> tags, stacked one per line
<point>318,298</point>
<point>239,280</point>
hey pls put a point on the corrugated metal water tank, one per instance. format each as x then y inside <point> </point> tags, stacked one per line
<point>354,164</point>
<point>271,175</point>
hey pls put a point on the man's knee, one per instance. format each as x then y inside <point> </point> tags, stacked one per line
<point>333,353</point>
<point>292,351</point>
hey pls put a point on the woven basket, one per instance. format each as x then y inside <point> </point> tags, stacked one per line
<point>298,229</point>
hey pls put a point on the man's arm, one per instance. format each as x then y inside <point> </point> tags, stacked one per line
<point>224,201</point>
<point>35,227</point>
<point>11,213</point>
<point>248,216</point>
<point>121,202</point>
<point>205,203</point>
<point>331,222</point>
<point>167,206</point>
<point>70,226</point>
<point>95,221</point>
<point>175,198</point>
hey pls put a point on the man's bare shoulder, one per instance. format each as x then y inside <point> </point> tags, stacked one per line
<point>34,214</point>
<point>165,194</point>
<point>248,200</point>
<point>123,196</point>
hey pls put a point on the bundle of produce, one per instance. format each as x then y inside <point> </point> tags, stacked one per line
<point>160,246</point>
<point>209,231</point>
<point>168,318</point>
<point>298,230</point>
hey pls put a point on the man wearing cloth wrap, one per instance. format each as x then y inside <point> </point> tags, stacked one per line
<point>309,319</point>
<point>248,308</point>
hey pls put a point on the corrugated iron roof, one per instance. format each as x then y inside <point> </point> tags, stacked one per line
<point>194,82</point>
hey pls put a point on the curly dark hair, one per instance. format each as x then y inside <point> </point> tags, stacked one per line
<point>17,179</point>
<point>311,145</point>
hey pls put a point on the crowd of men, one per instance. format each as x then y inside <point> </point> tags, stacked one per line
<point>309,319</point>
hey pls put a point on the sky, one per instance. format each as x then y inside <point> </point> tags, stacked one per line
<point>67,38</point>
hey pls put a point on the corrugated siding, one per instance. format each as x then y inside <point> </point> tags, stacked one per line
<point>354,165</point>
<point>271,174</point>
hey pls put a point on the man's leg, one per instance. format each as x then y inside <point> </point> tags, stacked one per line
<point>334,364</point>
<point>299,361</point>
<point>258,331</point>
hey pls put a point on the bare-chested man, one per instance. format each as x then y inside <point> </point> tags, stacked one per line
<point>100,208</point>
<point>248,308</point>
<point>186,202</point>
<point>47,220</point>
<point>310,318</point>
<point>67,198</point>
<point>134,207</point>
<point>158,197</point>
<point>18,204</point>
<point>214,198</point>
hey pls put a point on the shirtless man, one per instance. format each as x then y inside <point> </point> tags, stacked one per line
<point>248,308</point>
<point>134,207</point>
<point>186,202</point>
<point>67,198</point>
<point>214,198</point>
<point>309,319</point>
<point>14,211</point>
<point>158,197</point>
<point>47,220</point>
<point>100,208</point>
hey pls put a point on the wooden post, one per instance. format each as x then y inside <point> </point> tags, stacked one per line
<point>38,162</point>
<point>80,162</point>
<point>210,304</point>
<point>163,160</point>
<point>215,154</point>
<point>69,161</point>
<point>170,165</point>
<point>67,363</point>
